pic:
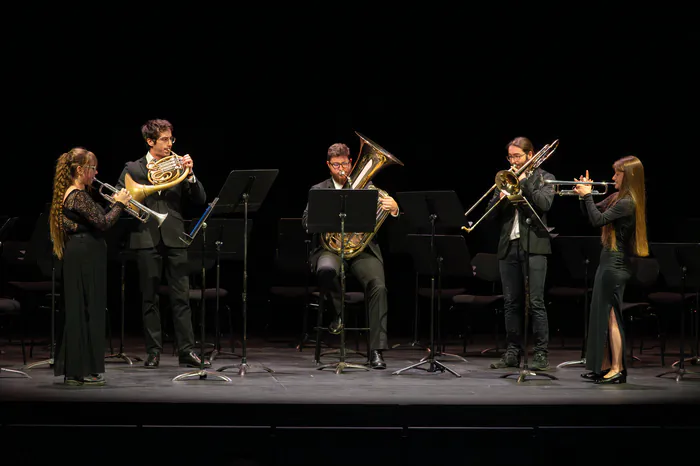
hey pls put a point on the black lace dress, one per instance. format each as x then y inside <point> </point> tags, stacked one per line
<point>614,271</point>
<point>81,347</point>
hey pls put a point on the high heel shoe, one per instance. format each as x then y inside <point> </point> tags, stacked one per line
<point>620,377</point>
<point>594,375</point>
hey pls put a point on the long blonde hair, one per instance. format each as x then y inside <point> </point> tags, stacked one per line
<point>66,172</point>
<point>633,186</point>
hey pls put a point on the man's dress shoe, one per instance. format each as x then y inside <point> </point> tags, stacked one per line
<point>152,360</point>
<point>191,359</point>
<point>376,361</point>
<point>336,326</point>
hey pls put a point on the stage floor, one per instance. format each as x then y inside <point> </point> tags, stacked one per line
<point>296,403</point>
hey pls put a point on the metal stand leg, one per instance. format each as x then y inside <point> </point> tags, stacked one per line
<point>14,371</point>
<point>525,372</point>
<point>121,354</point>
<point>244,367</point>
<point>433,364</point>
<point>342,365</point>
<point>415,343</point>
<point>680,371</point>
<point>202,373</point>
<point>52,349</point>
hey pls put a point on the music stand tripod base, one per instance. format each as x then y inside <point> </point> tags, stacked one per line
<point>127,359</point>
<point>572,363</point>
<point>525,372</point>
<point>341,366</point>
<point>201,374</point>
<point>14,371</point>
<point>435,366</point>
<point>48,362</point>
<point>243,368</point>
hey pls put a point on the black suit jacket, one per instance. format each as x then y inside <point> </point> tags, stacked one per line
<point>316,247</point>
<point>540,196</point>
<point>148,235</point>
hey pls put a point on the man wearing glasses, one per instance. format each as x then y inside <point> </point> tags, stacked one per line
<point>367,266</point>
<point>512,245</point>
<point>158,248</point>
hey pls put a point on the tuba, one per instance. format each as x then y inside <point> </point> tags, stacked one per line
<point>163,173</point>
<point>370,160</point>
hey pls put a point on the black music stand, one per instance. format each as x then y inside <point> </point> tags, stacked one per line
<point>201,228</point>
<point>581,254</point>
<point>227,237</point>
<point>535,225</point>
<point>427,209</point>
<point>680,265</point>
<point>41,251</point>
<point>116,239</point>
<point>244,191</point>
<point>338,210</point>
<point>4,232</point>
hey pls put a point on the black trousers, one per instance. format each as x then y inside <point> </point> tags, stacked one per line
<point>81,345</point>
<point>512,270</point>
<point>369,271</point>
<point>152,262</point>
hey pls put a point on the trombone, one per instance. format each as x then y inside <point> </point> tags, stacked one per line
<point>570,192</point>
<point>507,180</point>
<point>134,208</point>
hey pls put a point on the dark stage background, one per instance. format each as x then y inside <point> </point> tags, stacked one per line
<point>442,91</point>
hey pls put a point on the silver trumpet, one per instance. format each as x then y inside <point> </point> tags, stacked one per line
<point>134,208</point>
<point>570,192</point>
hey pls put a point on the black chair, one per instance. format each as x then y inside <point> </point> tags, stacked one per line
<point>291,281</point>
<point>674,297</point>
<point>637,307</point>
<point>355,306</point>
<point>11,312</point>
<point>486,272</point>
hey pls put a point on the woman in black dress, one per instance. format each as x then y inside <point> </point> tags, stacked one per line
<point>622,217</point>
<point>76,223</point>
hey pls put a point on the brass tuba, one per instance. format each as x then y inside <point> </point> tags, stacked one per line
<point>370,160</point>
<point>163,173</point>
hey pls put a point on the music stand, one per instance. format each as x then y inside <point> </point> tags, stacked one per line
<point>581,255</point>
<point>337,210</point>
<point>41,251</point>
<point>680,265</point>
<point>227,237</point>
<point>201,228</point>
<point>534,224</point>
<point>115,238</point>
<point>426,209</point>
<point>4,232</point>
<point>244,191</point>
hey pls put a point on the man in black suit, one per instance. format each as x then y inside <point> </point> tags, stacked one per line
<point>511,253</point>
<point>155,246</point>
<point>367,266</point>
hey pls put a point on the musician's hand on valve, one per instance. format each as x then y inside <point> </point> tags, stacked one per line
<point>388,203</point>
<point>583,189</point>
<point>187,162</point>
<point>123,196</point>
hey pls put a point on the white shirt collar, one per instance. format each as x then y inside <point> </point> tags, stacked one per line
<point>336,184</point>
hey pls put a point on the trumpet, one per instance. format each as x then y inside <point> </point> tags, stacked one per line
<point>570,192</point>
<point>134,208</point>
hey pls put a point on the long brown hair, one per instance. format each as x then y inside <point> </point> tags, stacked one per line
<point>633,186</point>
<point>66,171</point>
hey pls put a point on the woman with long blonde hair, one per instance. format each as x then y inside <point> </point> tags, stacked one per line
<point>622,217</point>
<point>76,222</point>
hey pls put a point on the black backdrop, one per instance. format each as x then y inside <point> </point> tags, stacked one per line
<point>442,90</point>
